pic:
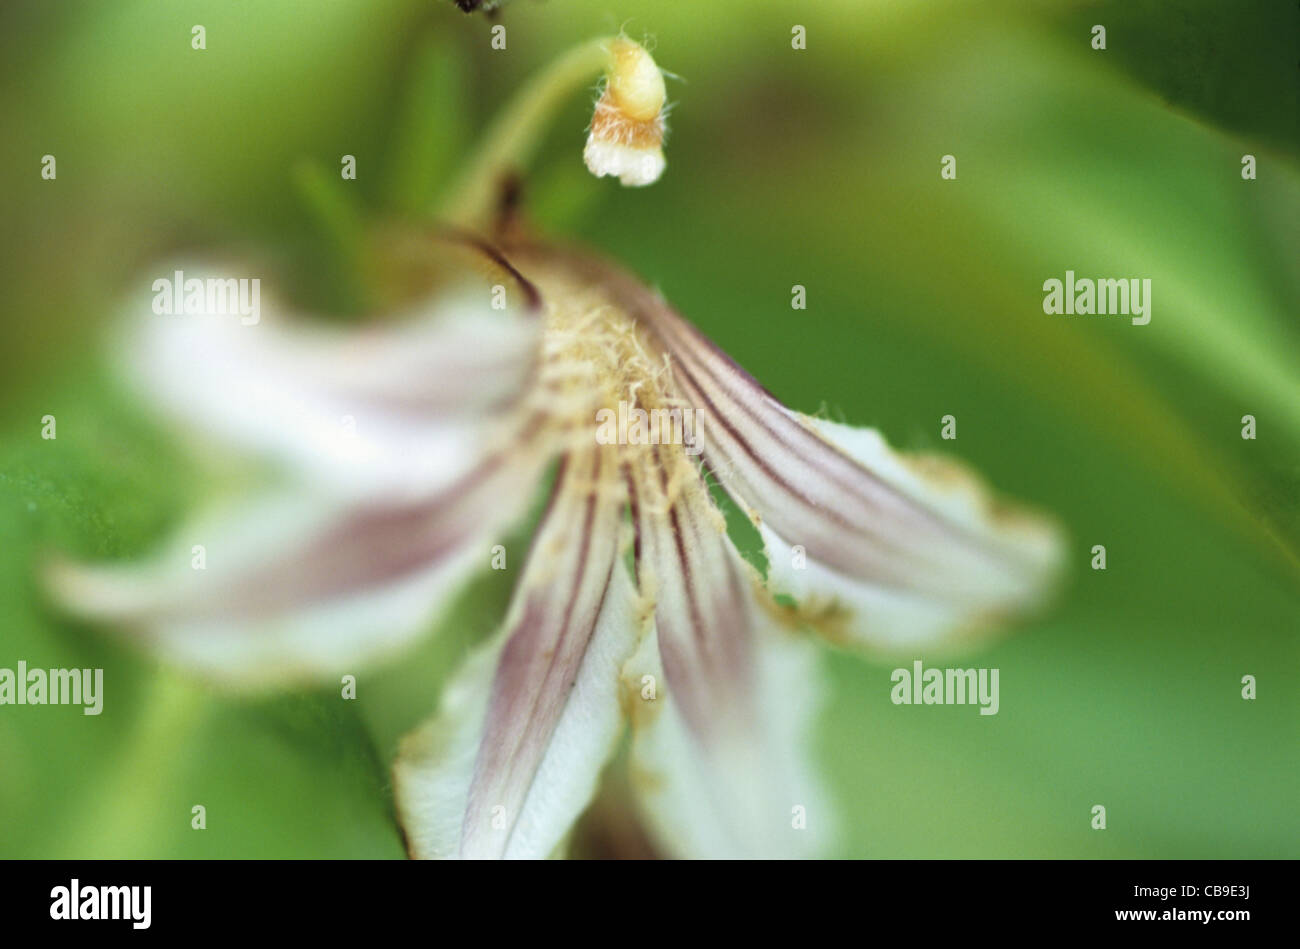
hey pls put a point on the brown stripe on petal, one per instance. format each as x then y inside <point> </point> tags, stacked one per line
<point>843,513</point>
<point>704,608</point>
<point>768,415</point>
<point>826,540</point>
<point>552,620</point>
<point>373,546</point>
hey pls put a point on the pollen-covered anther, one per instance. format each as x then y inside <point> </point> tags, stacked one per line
<point>627,129</point>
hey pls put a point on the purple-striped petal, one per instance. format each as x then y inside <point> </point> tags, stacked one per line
<point>703,592</point>
<point>297,587</point>
<point>881,550</point>
<point>746,796</point>
<point>515,753</point>
<point>720,740</point>
<point>398,408</point>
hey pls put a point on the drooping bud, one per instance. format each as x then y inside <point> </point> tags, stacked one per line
<point>627,129</point>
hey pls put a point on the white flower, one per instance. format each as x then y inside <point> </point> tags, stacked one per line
<point>412,446</point>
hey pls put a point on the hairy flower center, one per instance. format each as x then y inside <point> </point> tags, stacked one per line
<point>604,382</point>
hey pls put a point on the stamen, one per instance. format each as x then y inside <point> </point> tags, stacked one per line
<point>627,130</point>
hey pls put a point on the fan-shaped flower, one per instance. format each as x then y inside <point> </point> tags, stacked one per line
<point>414,444</point>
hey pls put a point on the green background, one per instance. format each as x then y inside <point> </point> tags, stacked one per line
<point>817,167</point>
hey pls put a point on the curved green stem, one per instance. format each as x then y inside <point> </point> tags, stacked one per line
<point>514,135</point>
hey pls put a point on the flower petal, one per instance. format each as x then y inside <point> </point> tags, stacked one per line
<point>400,407</point>
<point>751,795</point>
<point>892,551</point>
<point>1006,564</point>
<point>720,743</point>
<point>297,587</point>
<point>701,589</point>
<point>516,751</point>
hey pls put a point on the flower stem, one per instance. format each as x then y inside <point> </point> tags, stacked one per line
<point>514,135</point>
